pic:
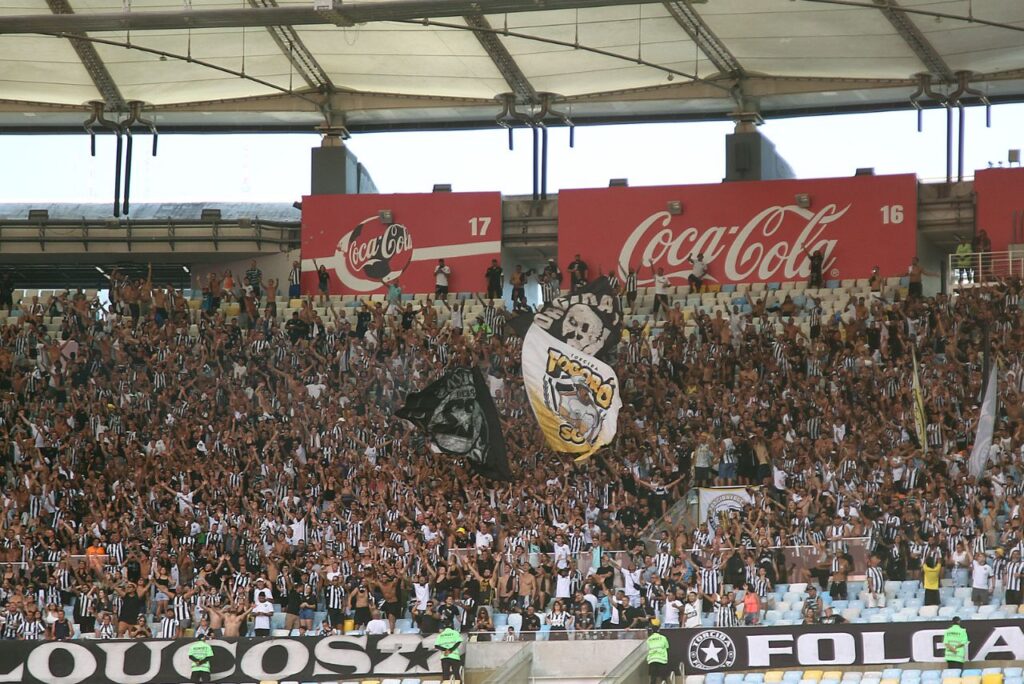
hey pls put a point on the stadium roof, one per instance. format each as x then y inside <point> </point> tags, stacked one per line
<point>412,64</point>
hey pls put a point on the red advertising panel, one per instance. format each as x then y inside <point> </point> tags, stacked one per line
<point>1000,206</point>
<point>365,248</point>
<point>747,232</point>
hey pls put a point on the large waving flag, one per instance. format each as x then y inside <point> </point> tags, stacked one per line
<point>986,424</point>
<point>574,396</point>
<point>460,419</point>
<point>920,421</point>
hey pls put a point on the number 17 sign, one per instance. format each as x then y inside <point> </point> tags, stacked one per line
<point>368,242</point>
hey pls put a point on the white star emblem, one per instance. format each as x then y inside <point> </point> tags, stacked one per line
<point>711,652</point>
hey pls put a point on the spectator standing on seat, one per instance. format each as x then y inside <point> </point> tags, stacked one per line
<point>876,584</point>
<point>697,272</point>
<point>982,245</point>
<point>1012,578</point>
<point>660,290</point>
<point>442,273</point>
<point>550,282</point>
<point>629,286</point>
<point>323,282</point>
<point>6,292</point>
<point>261,615</point>
<point>981,580</point>
<point>295,281</point>
<point>932,569</point>
<point>915,273</point>
<point>254,279</point>
<point>955,642</point>
<point>578,274</point>
<point>495,278</point>
<point>518,282</point>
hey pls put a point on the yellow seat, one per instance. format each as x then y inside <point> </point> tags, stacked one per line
<point>813,675</point>
<point>994,678</point>
<point>295,303</point>
<point>972,679</point>
<point>951,680</point>
<point>832,674</point>
<point>890,680</point>
<point>773,676</point>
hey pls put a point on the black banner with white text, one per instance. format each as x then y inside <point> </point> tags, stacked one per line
<point>751,648</point>
<point>153,661</point>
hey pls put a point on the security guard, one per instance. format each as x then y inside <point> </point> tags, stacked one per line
<point>200,654</point>
<point>657,654</point>
<point>964,272</point>
<point>956,642</point>
<point>449,642</point>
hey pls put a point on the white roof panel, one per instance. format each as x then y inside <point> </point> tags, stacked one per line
<point>604,60</point>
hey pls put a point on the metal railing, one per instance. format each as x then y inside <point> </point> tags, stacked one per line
<point>978,268</point>
<point>583,561</point>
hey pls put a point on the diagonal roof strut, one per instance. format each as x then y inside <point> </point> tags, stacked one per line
<point>700,33</point>
<point>292,47</point>
<point>502,58</point>
<point>92,62</point>
<point>917,41</point>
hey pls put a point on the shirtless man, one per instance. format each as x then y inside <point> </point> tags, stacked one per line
<point>389,586</point>
<point>527,586</point>
<point>233,619</point>
<point>360,603</point>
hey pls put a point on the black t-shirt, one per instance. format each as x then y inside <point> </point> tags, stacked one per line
<point>427,623</point>
<point>131,607</point>
<point>531,623</point>
<point>494,277</point>
<point>407,319</point>
<point>133,570</point>
<point>294,599</point>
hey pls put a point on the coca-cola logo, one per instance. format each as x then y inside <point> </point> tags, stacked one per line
<point>375,252</point>
<point>773,245</point>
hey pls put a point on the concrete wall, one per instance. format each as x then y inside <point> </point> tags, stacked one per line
<point>275,266</point>
<point>565,660</point>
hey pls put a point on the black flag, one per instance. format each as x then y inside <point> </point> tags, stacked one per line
<point>589,321</point>
<point>460,419</point>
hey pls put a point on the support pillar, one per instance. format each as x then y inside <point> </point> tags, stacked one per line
<point>750,156</point>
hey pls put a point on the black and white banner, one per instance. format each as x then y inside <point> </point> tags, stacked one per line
<point>306,659</point>
<point>749,648</point>
<point>589,321</point>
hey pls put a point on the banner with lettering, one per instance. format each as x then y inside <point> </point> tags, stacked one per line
<point>824,646</point>
<point>368,242</point>
<point>747,232</point>
<point>1000,206</point>
<point>153,661</point>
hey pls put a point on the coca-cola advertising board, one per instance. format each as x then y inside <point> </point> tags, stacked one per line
<point>747,232</point>
<point>1000,206</point>
<point>368,242</point>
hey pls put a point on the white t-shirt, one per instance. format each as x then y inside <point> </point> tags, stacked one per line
<point>483,540</point>
<point>261,615</point>
<point>691,614</point>
<point>660,284</point>
<point>378,626</point>
<point>441,274</point>
<point>700,268</point>
<point>563,585</point>
<point>672,611</point>
<point>980,575</point>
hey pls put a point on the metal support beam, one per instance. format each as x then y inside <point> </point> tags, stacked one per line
<point>340,14</point>
<point>503,61</point>
<point>292,47</point>
<point>917,41</point>
<point>90,59</point>
<point>701,34</point>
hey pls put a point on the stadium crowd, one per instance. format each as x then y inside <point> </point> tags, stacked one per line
<point>154,481</point>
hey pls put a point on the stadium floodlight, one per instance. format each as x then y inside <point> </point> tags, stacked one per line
<point>865,171</point>
<point>803,200</point>
<point>386,217</point>
<point>297,205</point>
<point>210,215</point>
<point>675,207</point>
<point>442,187</point>
<point>1013,157</point>
<point>38,214</point>
<point>618,183</point>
